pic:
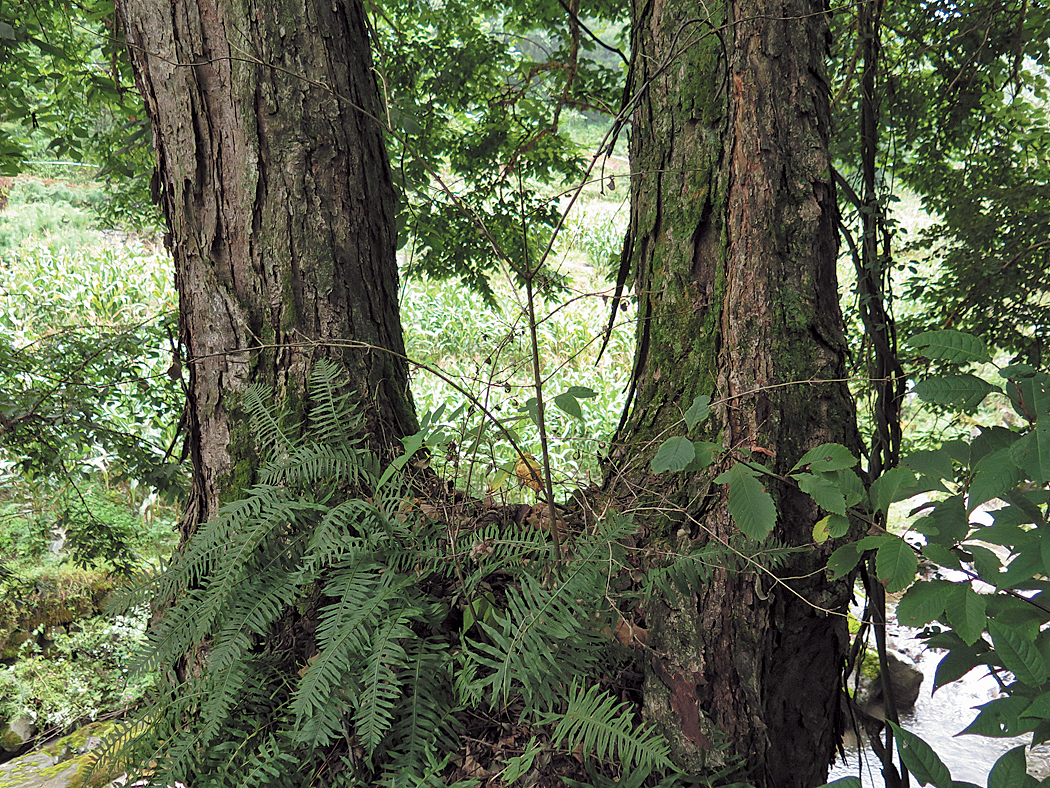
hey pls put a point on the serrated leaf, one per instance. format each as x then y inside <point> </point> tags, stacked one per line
<point>698,411</point>
<point>954,346</point>
<point>924,602</point>
<point>1018,655</point>
<point>825,492</point>
<point>920,759</point>
<point>750,506</point>
<point>674,454</point>
<point>995,475</point>
<point>1026,564</point>
<point>567,403</point>
<point>1039,708</point>
<point>933,464</point>
<point>889,486</point>
<point>962,391</point>
<point>827,457</point>
<point>965,610</point>
<point>1032,453</point>
<point>843,560</point>
<point>838,526</point>
<point>985,562</point>
<point>941,555</point>
<point>705,455</point>
<point>896,564</point>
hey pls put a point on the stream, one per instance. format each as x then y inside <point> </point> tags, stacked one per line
<point>938,718</point>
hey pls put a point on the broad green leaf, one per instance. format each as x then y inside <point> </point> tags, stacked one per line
<point>850,484</point>
<point>567,403</point>
<point>704,456</point>
<point>827,457</point>
<point>995,475</point>
<point>1025,565</point>
<point>1019,655</point>
<point>954,346</point>
<point>1010,770</point>
<point>831,527</point>
<point>582,392</point>
<point>920,759</point>
<point>934,464</point>
<point>750,506</point>
<point>1039,708</point>
<point>991,439</point>
<point>844,782</point>
<point>896,565</point>
<point>827,495</point>
<point>889,486</point>
<point>843,560</point>
<point>985,562</point>
<point>956,664</point>
<point>698,411</point>
<point>1000,718</point>
<point>924,602</point>
<point>941,555</point>
<point>965,609</point>
<point>674,454</point>
<point>1030,396</point>
<point>962,391</point>
<point>1032,453</point>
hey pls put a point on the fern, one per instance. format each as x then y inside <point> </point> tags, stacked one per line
<point>606,730</point>
<point>330,614</point>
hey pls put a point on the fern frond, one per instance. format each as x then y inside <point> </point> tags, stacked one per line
<point>381,685</point>
<point>606,729</point>
<point>269,435</point>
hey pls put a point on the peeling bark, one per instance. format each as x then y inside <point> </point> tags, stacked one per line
<point>733,248</point>
<point>274,181</point>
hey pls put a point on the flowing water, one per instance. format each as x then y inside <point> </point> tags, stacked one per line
<point>938,718</point>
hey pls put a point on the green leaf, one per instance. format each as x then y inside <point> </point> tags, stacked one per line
<point>924,602</point>
<point>1019,655</point>
<point>920,759</point>
<point>1026,564</point>
<point>994,476</point>
<point>934,464</point>
<point>1032,453</point>
<point>962,391</point>
<point>750,506</point>
<point>956,664</point>
<point>985,562</point>
<point>1000,718</point>
<point>825,492</point>
<point>843,560</point>
<point>674,454</point>
<point>896,564</point>
<point>954,346</point>
<point>831,527</point>
<point>965,609</point>
<point>889,486</point>
<point>582,392</point>
<point>705,455</point>
<point>698,411</point>
<point>827,457</point>
<point>567,403</point>
<point>941,555</point>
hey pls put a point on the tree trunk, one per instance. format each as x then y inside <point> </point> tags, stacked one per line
<point>734,247</point>
<point>273,177</point>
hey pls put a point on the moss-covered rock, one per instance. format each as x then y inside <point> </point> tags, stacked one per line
<point>49,596</point>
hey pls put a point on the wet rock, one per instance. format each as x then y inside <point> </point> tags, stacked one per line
<point>905,683</point>
<point>16,734</point>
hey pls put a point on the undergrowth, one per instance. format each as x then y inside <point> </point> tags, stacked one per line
<point>357,636</point>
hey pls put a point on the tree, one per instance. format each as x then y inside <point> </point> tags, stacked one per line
<point>275,185</point>
<point>733,249</point>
